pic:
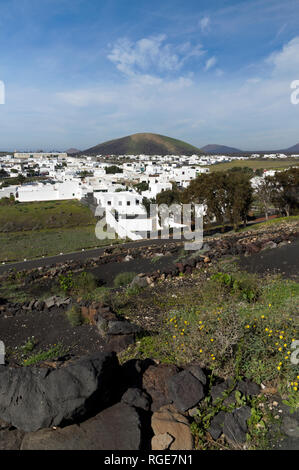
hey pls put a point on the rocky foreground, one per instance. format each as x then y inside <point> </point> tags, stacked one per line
<point>95,403</point>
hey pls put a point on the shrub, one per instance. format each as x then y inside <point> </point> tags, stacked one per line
<point>155,259</point>
<point>85,283</point>
<point>99,294</point>
<point>123,279</point>
<point>29,345</point>
<point>211,338</point>
<point>242,284</point>
<point>55,351</point>
<point>74,316</point>
<point>205,322</point>
<point>134,290</point>
<point>66,282</point>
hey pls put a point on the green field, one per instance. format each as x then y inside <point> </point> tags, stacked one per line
<point>257,164</point>
<point>44,215</point>
<point>36,229</point>
<point>16,246</point>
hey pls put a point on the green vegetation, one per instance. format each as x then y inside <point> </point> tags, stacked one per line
<point>54,352</point>
<point>257,164</point>
<point>227,195</point>
<point>27,356</point>
<point>28,346</point>
<point>216,322</point>
<point>259,423</point>
<point>276,221</point>
<point>15,246</point>
<point>8,201</point>
<point>66,282</point>
<point>85,283</point>
<point>169,197</point>
<point>14,292</point>
<point>84,174</point>
<point>81,284</point>
<point>74,316</point>
<point>123,279</point>
<point>243,285</point>
<point>17,180</point>
<point>132,290</point>
<point>99,294</point>
<point>33,230</point>
<point>140,187</point>
<point>33,216</point>
<point>112,170</point>
<point>284,191</point>
<point>155,259</point>
<point>234,325</point>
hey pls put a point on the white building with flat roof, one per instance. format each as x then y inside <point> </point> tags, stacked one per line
<point>26,155</point>
<point>49,192</point>
<point>124,202</point>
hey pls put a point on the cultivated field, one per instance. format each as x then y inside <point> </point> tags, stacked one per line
<point>44,215</point>
<point>33,230</point>
<point>257,164</point>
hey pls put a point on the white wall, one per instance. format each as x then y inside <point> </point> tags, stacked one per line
<point>118,201</point>
<point>49,192</point>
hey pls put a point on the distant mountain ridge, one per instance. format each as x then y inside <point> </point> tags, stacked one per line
<point>143,143</point>
<point>293,149</point>
<point>72,151</point>
<point>220,149</point>
<point>215,149</point>
<point>156,144</point>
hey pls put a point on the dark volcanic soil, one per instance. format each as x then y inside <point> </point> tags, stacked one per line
<point>283,260</point>
<point>48,328</point>
<point>106,273</point>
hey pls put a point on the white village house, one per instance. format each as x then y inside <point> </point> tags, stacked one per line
<point>48,192</point>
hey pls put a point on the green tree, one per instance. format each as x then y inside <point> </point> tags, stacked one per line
<point>140,187</point>
<point>285,190</point>
<point>3,173</point>
<point>20,179</point>
<point>227,195</point>
<point>169,197</point>
<point>210,190</point>
<point>83,174</point>
<point>239,198</point>
<point>113,169</point>
<point>263,194</point>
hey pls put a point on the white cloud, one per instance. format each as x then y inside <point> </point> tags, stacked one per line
<point>255,109</point>
<point>210,63</point>
<point>139,91</point>
<point>204,23</point>
<point>286,61</point>
<point>82,98</point>
<point>152,55</point>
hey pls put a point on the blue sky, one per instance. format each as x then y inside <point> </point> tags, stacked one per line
<point>79,72</point>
